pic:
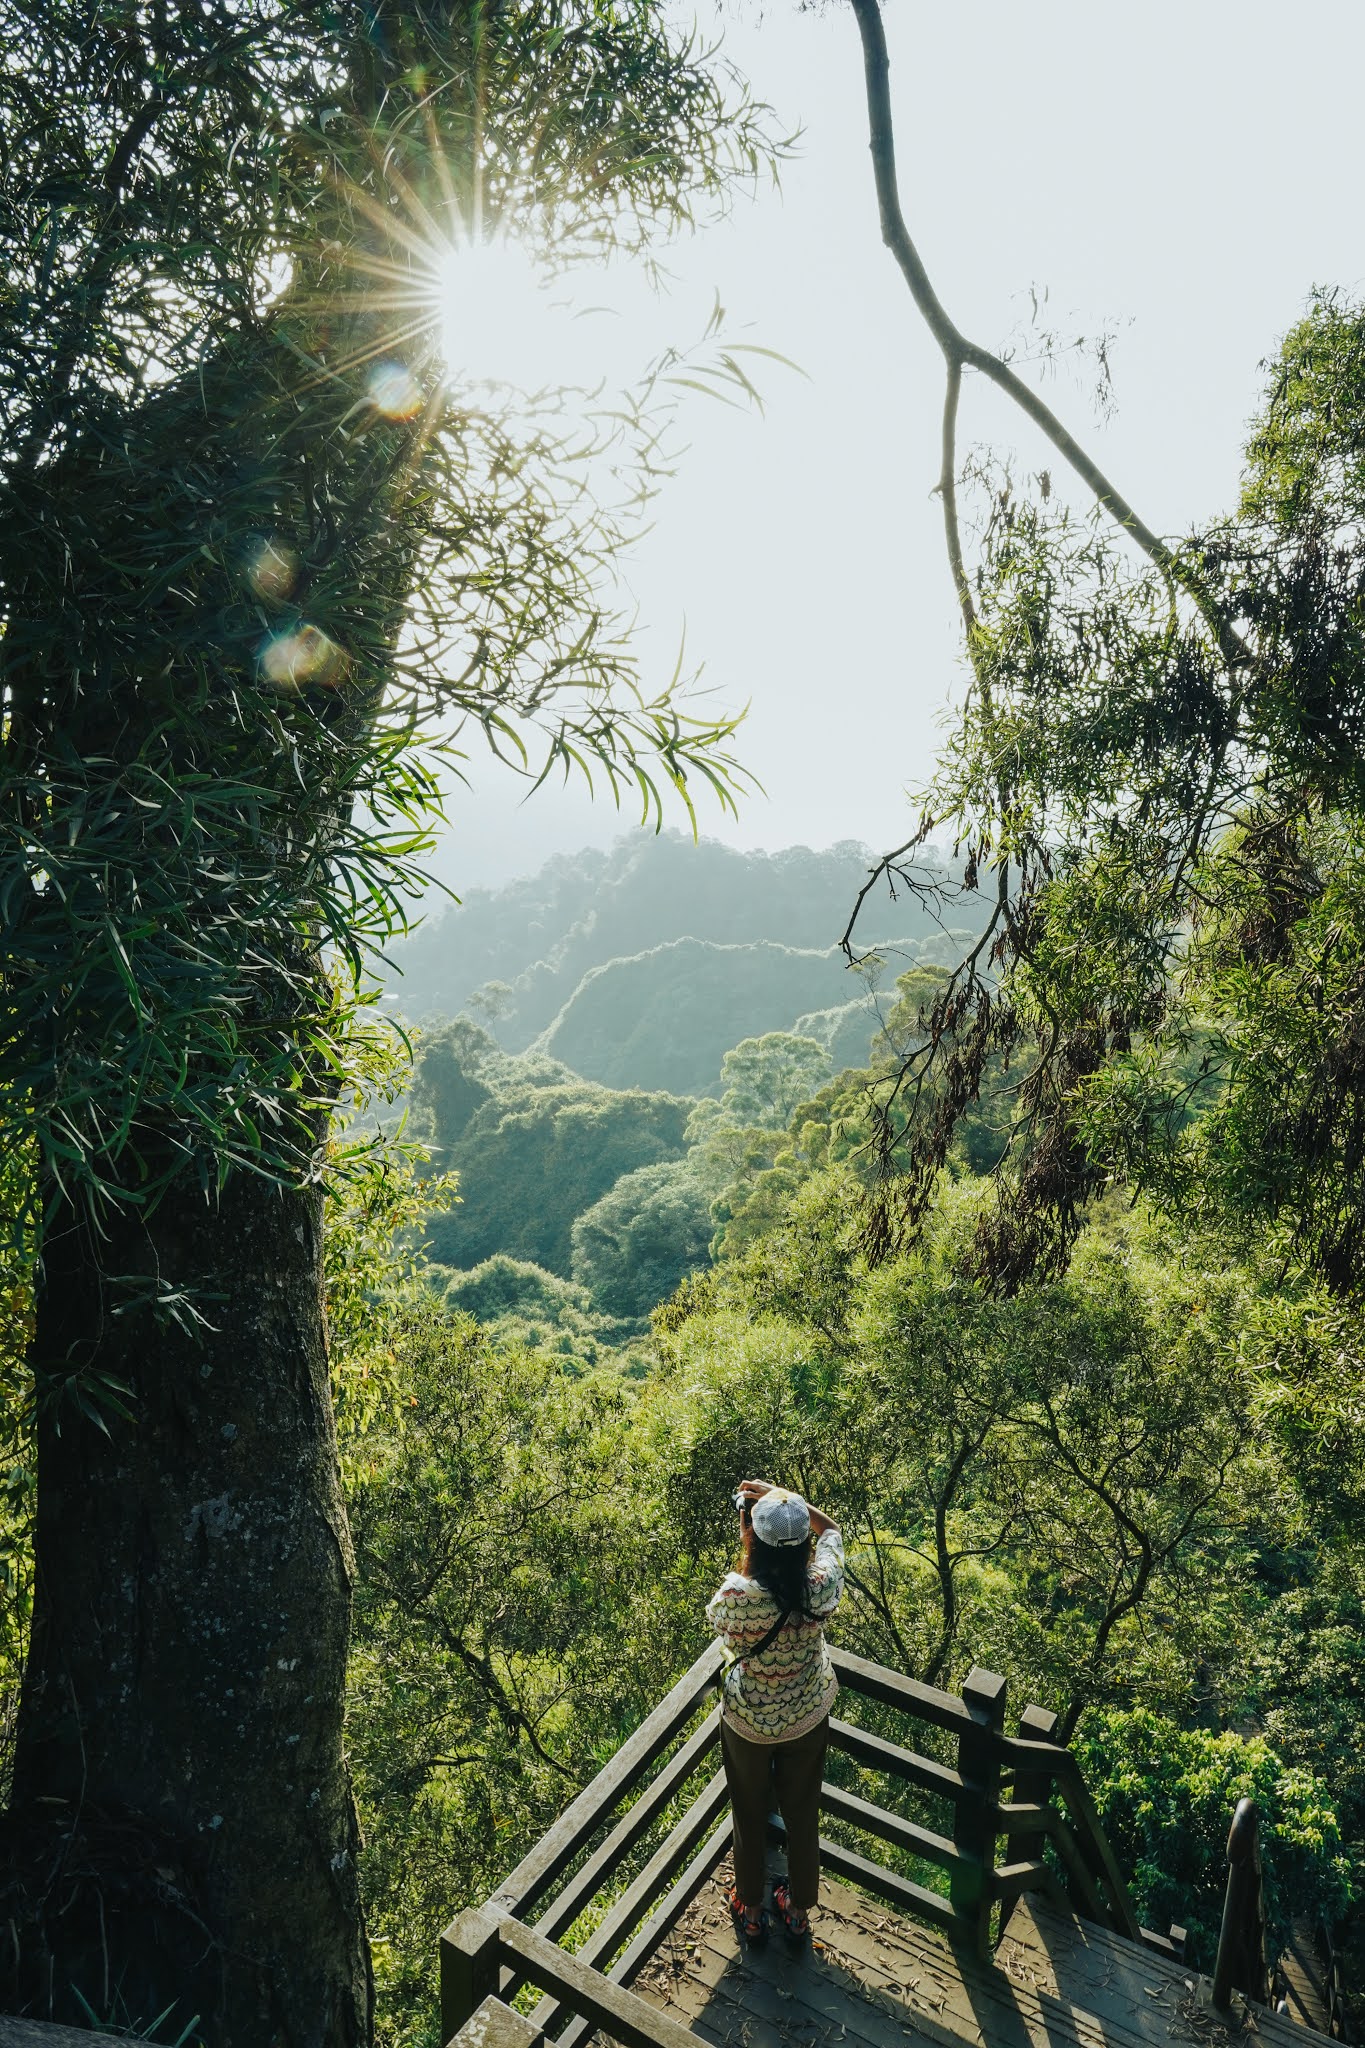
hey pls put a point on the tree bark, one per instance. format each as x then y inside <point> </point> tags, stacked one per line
<point>179,1765</point>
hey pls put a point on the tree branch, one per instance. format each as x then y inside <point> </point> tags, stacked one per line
<point>961,353</point>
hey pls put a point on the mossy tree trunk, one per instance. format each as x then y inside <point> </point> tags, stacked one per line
<point>179,1765</point>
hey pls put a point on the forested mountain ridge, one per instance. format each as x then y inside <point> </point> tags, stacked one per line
<point>666,1017</point>
<point>539,935</point>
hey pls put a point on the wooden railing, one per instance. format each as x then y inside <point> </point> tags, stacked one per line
<point>662,1790</point>
<point>1241,1961</point>
<point>1334,1987</point>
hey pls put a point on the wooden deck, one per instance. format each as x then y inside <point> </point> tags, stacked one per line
<point>1304,1970</point>
<point>873,1979</point>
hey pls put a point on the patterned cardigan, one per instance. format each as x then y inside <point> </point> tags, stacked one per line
<point>791,1687</point>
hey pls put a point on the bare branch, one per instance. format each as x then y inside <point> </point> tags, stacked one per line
<point>961,353</point>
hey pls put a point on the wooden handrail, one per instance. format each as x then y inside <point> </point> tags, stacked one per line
<point>634,1903</point>
<point>1055,1845</point>
<point>894,1689</point>
<point>881,1755</point>
<point>634,1823</point>
<point>664,1916</point>
<point>554,1852</point>
<point>620,2013</point>
<point>1241,1961</point>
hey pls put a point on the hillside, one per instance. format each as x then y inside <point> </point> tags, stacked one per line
<point>538,936</point>
<point>641,967</point>
<point>664,1019</point>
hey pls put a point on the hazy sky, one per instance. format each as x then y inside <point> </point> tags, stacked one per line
<point>1181,173</point>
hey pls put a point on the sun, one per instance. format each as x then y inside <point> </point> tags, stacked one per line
<point>501,318</point>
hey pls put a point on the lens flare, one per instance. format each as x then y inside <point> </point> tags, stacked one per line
<point>502,321</point>
<point>273,571</point>
<point>394,391</point>
<point>289,660</point>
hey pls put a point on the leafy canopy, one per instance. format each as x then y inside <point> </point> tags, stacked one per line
<point>261,556</point>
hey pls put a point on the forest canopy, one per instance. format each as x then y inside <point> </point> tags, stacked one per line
<point>1024,1232</point>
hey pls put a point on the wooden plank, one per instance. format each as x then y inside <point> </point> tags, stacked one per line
<point>1012,1880</point>
<point>555,1851</point>
<point>1082,1889</point>
<point>635,1902</point>
<point>923,1702</point>
<point>887,1884</point>
<point>884,1978</point>
<point>468,1958</point>
<point>880,1755</point>
<point>883,1981</point>
<point>1094,1846</point>
<point>661,1922</point>
<point>974,1827</point>
<point>1129,1989</point>
<point>1026,1753</point>
<point>657,1927</point>
<point>801,2004</point>
<point>630,2020</point>
<point>891,1827</point>
<point>875,1877</point>
<point>634,1822</point>
<point>821,1996</point>
<point>1306,1974</point>
<point>494,2025</point>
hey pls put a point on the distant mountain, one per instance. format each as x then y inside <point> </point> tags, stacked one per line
<point>542,935</point>
<point>664,1018</point>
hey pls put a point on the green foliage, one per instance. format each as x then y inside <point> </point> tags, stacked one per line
<point>1023,1480</point>
<point>241,583</point>
<point>1064,1485</point>
<point>378,1202</point>
<point>635,1245</point>
<point>533,940</point>
<point>1170,800</point>
<point>533,1145</point>
<point>764,1080</point>
<point>516,1614</point>
<point>1165,1794</point>
<point>522,1304</point>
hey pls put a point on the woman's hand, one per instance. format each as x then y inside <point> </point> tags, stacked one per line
<point>754,1489</point>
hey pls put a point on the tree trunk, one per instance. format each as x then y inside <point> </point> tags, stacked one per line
<point>182,1833</point>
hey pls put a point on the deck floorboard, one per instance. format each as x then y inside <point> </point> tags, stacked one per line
<point>873,1979</point>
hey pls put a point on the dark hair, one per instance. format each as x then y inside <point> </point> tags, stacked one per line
<point>780,1571</point>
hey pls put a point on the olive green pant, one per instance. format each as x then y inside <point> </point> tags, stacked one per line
<point>793,1771</point>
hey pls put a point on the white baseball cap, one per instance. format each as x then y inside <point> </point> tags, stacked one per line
<point>780,1519</point>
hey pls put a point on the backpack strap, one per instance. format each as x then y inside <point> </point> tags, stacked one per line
<point>736,1657</point>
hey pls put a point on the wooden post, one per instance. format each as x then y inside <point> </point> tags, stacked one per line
<point>1032,1787</point>
<point>1240,1963</point>
<point>974,1828</point>
<point>469,1967</point>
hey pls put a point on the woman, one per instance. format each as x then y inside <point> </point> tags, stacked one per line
<point>776,1695</point>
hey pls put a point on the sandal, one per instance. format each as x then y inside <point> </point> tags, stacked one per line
<point>751,1922</point>
<point>795,1919</point>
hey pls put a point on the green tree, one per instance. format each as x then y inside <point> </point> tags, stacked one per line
<point>1164,1794</point>
<point>636,1245</point>
<point>536,1153</point>
<point>1023,1480</point>
<point>762,1080</point>
<point>254,546</point>
<point>1159,781</point>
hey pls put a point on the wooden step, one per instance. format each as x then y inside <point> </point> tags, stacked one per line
<point>1123,1986</point>
<point>1304,1969</point>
